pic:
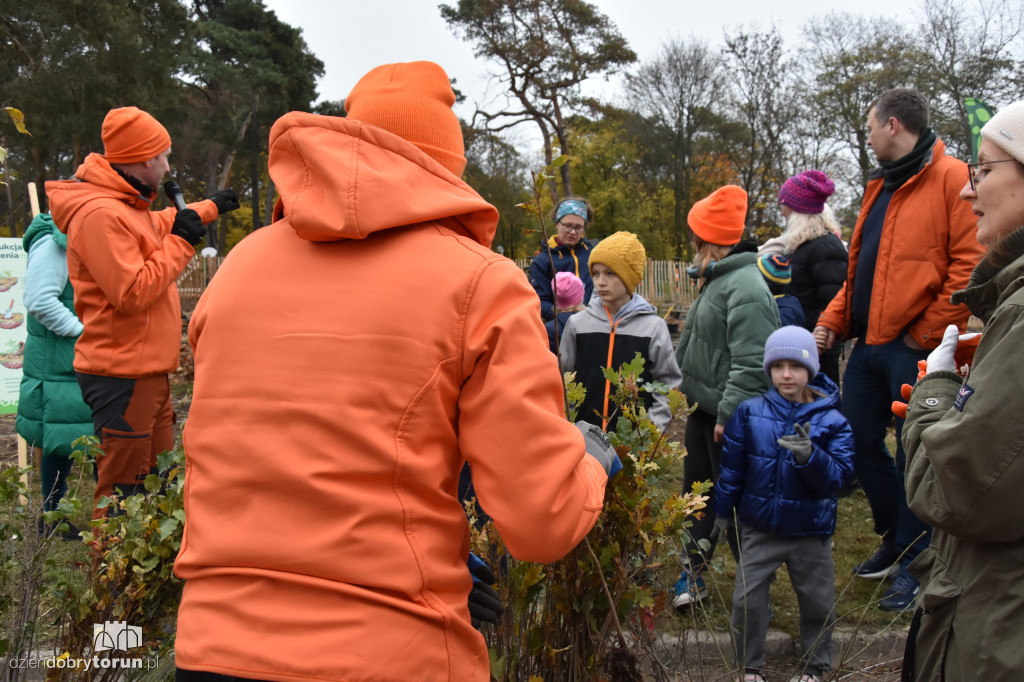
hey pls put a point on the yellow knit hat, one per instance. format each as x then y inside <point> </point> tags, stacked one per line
<point>414,101</point>
<point>625,255</point>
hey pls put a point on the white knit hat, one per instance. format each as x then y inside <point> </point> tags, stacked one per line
<point>1006,130</point>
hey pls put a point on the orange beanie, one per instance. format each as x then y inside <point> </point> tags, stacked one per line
<point>130,135</point>
<point>719,217</point>
<point>414,101</point>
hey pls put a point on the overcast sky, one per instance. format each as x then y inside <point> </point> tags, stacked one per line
<point>353,37</point>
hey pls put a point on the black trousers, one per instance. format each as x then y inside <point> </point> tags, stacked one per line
<point>702,462</point>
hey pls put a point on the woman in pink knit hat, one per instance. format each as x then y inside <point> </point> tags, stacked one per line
<point>817,257</point>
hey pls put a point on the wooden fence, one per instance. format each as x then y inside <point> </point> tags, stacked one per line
<point>665,282</point>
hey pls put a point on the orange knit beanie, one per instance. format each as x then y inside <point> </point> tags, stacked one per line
<point>414,101</point>
<point>719,217</point>
<point>130,135</point>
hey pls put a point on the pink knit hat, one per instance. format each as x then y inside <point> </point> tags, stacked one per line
<point>570,289</point>
<point>807,192</point>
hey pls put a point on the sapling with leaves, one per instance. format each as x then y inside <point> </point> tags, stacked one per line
<point>560,618</point>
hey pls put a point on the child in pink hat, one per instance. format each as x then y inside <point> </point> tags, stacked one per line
<point>569,290</point>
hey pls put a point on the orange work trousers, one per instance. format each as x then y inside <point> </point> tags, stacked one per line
<point>134,421</point>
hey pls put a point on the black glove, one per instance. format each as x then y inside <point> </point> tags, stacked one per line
<point>189,226</point>
<point>484,603</point>
<point>600,448</point>
<point>799,444</point>
<point>226,200</point>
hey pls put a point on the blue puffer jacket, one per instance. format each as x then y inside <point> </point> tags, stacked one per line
<point>574,259</point>
<point>763,482</point>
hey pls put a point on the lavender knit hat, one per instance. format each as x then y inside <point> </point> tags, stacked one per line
<point>791,343</point>
<point>807,192</point>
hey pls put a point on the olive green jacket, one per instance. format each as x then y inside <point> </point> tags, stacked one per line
<point>721,349</point>
<point>964,440</point>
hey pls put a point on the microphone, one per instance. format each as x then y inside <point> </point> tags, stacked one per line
<point>173,193</point>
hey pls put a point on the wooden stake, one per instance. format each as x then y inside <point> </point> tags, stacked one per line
<point>33,199</point>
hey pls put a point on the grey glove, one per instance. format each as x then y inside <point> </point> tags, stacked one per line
<point>799,444</point>
<point>600,448</point>
<point>722,525</point>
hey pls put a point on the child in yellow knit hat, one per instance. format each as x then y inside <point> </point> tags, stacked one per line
<point>616,325</point>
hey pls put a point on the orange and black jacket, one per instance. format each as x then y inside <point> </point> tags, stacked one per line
<point>592,340</point>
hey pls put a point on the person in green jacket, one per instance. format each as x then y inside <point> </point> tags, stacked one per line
<point>51,412</point>
<point>964,440</point>
<point>721,355</point>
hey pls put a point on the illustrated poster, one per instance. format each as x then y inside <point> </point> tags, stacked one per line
<point>13,331</point>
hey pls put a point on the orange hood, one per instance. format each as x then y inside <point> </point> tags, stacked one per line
<point>356,166</point>
<point>98,179</point>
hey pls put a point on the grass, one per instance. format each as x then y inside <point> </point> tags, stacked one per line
<point>853,542</point>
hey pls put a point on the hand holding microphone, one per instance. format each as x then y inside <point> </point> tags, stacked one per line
<point>187,224</point>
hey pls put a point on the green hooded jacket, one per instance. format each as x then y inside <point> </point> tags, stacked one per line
<point>721,350</point>
<point>51,411</point>
<point>964,439</point>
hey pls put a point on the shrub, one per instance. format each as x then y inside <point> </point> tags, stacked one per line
<point>592,610</point>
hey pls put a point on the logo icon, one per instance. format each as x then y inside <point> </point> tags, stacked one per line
<point>115,636</point>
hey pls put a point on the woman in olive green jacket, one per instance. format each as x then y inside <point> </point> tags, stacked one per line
<point>964,440</point>
<point>720,353</point>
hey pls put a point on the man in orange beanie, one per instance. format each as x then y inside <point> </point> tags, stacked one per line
<point>123,260</point>
<point>325,539</point>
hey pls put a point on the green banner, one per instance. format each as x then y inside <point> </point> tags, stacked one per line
<point>978,114</point>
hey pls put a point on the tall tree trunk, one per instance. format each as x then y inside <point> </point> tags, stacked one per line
<point>268,211</point>
<point>254,160</point>
<point>212,155</point>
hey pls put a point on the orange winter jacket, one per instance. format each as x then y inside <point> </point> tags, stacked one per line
<point>349,358</point>
<point>123,262</point>
<point>928,249</point>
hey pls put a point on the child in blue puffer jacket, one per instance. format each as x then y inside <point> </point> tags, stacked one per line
<point>786,455</point>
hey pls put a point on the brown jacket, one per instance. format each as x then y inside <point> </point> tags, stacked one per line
<point>123,262</point>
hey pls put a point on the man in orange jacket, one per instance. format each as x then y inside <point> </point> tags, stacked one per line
<point>350,358</point>
<point>913,245</point>
<point>123,260</point>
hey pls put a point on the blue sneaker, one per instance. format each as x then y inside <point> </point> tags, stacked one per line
<point>884,563</point>
<point>902,592</point>
<point>688,590</point>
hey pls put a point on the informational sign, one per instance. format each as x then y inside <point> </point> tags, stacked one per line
<point>13,316</point>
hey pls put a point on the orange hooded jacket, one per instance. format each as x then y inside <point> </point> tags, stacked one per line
<point>928,250</point>
<point>349,358</point>
<point>123,263</point>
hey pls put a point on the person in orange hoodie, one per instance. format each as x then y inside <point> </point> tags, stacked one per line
<point>324,537</point>
<point>123,260</point>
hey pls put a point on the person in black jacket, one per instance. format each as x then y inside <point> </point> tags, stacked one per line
<point>567,251</point>
<point>817,257</point>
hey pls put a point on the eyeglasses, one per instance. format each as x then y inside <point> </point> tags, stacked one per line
<point>972,171</point>
<point>572,228</point>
